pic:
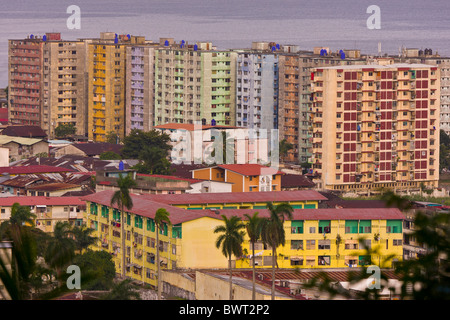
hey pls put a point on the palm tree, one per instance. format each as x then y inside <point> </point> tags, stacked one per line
<point>123,200</point>
<point>61,247</point>
<point>273,234</point>
<point>254,233</point>
<point>231,241</point>
<point>161,218</point>
<point>83,238</point>
<point>21,215</point>
<point>123,290</point>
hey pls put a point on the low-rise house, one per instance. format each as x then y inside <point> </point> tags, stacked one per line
<point>48,210</point>
<point>19,184</point>
<point>89,149</point>
<point>55,189</point>
<point>145,184</point>
<point>296,182</point>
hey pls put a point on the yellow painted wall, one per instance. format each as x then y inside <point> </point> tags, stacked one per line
<point>198,248</point>
<point>337,227</point>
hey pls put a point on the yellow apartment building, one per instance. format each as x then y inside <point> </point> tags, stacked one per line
<point>106,86</point>
<point>189,241</point>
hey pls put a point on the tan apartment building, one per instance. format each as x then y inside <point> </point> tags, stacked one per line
<point>294,97</point>
<point>427,56</point>
<point>376,126</point>
<point>64,86</point>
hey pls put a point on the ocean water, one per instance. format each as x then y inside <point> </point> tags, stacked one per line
<point>236,23</point>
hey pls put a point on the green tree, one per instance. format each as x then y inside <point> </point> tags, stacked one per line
<point>161,219</point>
<point>61,247</point>
<point>17,280</point>
<point>123,199</point>
<point>100,267</point>
<point>230,239</point>
<point>284,147</point>
<point>83,238</point>
<point>153,161</point>
<point>110,155</point>
<point>151,148</point>
<point>64,130</point>
<point>273,233</point>
<point>21,215</point>
<point>254,233</point>
<point>444,150</point>
<point>112,137</point>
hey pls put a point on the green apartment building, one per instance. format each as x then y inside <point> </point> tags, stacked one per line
<point>194,83</point>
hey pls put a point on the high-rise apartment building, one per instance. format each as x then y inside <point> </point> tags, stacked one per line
<point>106,85</point>
<point>24,81</point>
<point>194,83</point>
<point>429,57</point>
<point>64,86</point>
<point>47,82</point>
<point>139,86</point>
<point>257,89</point>
<point>295,104</point>
<point>376,126</point>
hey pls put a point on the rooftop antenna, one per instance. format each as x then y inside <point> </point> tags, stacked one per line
<point>379,49</point>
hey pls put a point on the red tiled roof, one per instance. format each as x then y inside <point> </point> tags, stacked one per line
<point>250,169</point>
<point>146,207</point>
<point>33,169</point>
<point>327,214</point>
<point>233,197</point>
<point>33,201</point>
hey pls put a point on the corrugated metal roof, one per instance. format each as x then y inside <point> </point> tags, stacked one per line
<point>18,140</point>
<point>32,169</point>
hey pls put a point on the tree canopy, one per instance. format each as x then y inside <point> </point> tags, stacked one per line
<point>151,147</point>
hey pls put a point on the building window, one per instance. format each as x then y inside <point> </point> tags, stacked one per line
<point>296,244</point>
<point>310,244</point>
